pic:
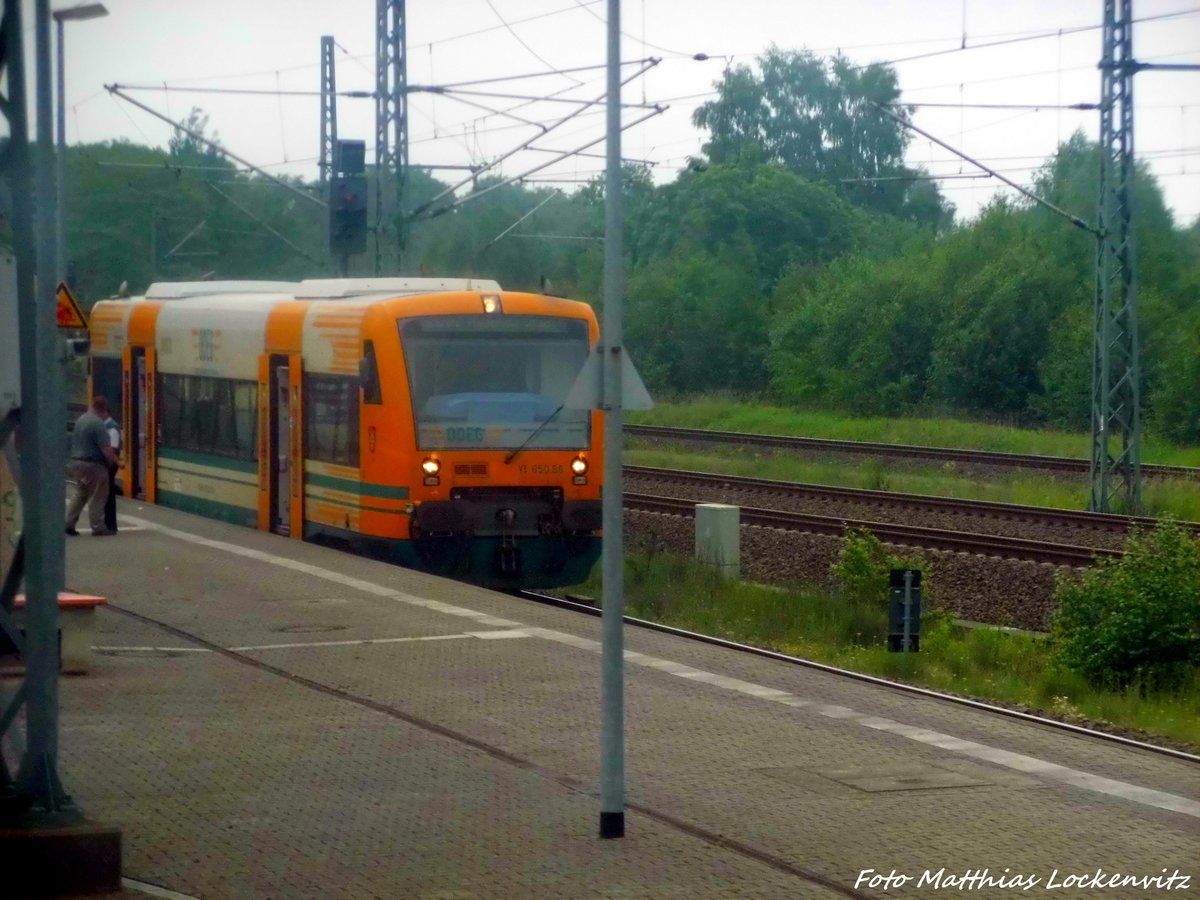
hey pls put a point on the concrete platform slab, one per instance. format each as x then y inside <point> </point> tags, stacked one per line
<point>456,754</point>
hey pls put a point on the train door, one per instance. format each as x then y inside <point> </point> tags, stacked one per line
<point>138,432</point>
<point>280,447</point>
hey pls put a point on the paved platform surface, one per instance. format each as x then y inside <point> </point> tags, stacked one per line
<point>250,744</point>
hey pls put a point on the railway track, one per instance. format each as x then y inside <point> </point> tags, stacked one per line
<point>1095,733</point>
<point>1044,523</point>
<point>916,536</point>
<point>1061,464</point>
<point>949,539</point>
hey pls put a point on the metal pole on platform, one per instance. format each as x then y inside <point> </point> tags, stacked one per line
<point>60,162</point>
<point>43,458</point>
<point>612,658</point>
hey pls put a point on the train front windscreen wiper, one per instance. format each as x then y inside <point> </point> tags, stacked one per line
<point>533,434</point>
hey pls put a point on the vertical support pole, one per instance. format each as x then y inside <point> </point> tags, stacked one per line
<point>1116,464</point>
<point>391,129</point>
<point>612,656</point>
<point>60,159</point>
<point>43,459</point>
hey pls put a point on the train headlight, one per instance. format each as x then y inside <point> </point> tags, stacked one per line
<point>431,467</point>
<point>491,303</point>
<point>579,467</point>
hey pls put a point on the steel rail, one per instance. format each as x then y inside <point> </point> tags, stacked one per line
<point>562,603</point>
<point>1041,515</point>
<point>906,535</point>
<point>867,448</point>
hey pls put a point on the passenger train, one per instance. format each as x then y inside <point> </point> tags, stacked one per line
<point>422,421</point>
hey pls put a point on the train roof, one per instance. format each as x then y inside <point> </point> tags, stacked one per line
<point>338,288</point>
<point>178,290</point>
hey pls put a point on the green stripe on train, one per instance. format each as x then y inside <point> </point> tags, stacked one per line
<point>362,488</point>
<point>349,485</point>
<point>212,509</point>
<point>209,459</point>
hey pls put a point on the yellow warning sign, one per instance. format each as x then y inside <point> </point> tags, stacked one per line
<point>70,316</point>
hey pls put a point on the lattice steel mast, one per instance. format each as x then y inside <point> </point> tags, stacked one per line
<point>1116,470</point>
<point>391,130</point>
<point>328,109</point>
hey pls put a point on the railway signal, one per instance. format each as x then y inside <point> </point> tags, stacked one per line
<point>348,201</point>
<point>348,215</point>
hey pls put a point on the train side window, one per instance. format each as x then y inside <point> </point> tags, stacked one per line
<point>209,415</point>
<point>368,375</point>
<point>331,418</point>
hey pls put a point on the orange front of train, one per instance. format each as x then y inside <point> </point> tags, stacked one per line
<point>466,423</point>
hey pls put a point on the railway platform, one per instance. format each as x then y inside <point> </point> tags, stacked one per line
<point>270,718</point>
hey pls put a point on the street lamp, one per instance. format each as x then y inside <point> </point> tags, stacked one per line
<point>74,14</point>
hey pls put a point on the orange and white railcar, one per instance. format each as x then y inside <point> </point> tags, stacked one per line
<point>418,420</point>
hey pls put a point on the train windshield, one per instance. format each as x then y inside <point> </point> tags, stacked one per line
<point>495,381</point>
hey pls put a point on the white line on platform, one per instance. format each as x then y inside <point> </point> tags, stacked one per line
<point>151,649</point>
<point>145,887</point>
<point>485,635</point>
<point>355,643</point>
<point>994,755</point>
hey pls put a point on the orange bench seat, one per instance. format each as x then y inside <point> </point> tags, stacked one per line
<point>66,598</point>
<point>76,625</point>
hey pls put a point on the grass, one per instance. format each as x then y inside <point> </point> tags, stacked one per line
<point>1178,499</point>
<point>818,625</point>
<point>740,414</point>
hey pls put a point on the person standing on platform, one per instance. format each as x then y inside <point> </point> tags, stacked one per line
<point>110,505</point>
<point>91,455</point>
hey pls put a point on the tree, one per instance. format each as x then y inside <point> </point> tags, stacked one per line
<point>1169,278</point>
<point>817,118</point>
<point>188,150</point>
<point>696,323</point>
<point>764,214</point>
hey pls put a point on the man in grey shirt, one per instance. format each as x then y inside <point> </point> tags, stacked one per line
<point>91,455</point>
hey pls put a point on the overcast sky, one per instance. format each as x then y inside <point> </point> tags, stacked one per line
<point>270,44</point>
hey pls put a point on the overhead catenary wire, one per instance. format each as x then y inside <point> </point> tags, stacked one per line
<point>508,115</point>
<point>588,3</point>
<point>477,194</point>
<point>507,230</point>
<point>1031,106</point>
<point>545,130</point>
<point>256,218</point>
<point>595,15</point>
<point>543,15</point>
<point>522,41</point>
<point>1017,76</point>
<point>113,90</point>
<point>1079,29</point>
<point>454,92</point>
<point>312,65</point>
<point>441,133</point>
<point>1074,220</point>
<point>524,103</point>
<point>261,92</point>
<point>501,78</point>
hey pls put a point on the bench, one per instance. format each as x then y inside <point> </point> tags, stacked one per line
<point>76,625</point>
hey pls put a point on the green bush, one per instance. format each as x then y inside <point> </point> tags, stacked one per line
<point>1134,620</point>
<point>864,566</point>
